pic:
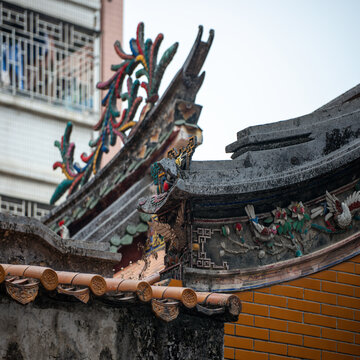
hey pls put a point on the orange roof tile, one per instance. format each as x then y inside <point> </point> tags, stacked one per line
<point>22,283</point>
<point>133,271</point>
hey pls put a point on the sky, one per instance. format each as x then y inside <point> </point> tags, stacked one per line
<point>270,60</point>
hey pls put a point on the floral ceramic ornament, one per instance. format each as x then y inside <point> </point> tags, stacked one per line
<point>261,232</point>
<point>281,219</point>
<point>297,210</point>
<point>238,228</point>
<point>238,231</point>
<point>280,216</point>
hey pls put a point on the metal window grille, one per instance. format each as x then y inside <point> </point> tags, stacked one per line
<point>21,207</point>
<point>46,59</point>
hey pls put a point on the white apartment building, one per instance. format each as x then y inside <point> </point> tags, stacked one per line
<point>50,61</point>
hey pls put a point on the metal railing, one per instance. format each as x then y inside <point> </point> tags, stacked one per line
<point>21,207</point>
<point>46,59</point>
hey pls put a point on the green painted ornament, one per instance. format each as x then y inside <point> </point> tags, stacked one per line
<point>131,229</point>
<point>145,217</point>
<point>126,240</point>
<point>113,249</point>
<point>115,240</point>
<point>142,228</point>
<point>225,230</point>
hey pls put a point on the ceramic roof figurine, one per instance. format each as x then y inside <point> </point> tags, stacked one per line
<point>102,208</point>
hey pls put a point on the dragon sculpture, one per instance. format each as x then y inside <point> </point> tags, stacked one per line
<point>112,124</point>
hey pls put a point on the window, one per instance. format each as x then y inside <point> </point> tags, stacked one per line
<point>46,59</point>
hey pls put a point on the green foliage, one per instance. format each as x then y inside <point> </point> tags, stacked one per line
<point>269,220</point>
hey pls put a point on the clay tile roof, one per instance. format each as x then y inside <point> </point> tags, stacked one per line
<point>134,270</point>
<point>22,284</point>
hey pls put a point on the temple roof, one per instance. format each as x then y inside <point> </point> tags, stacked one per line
<point>40,245</point>
<point>105,195</point>
<point>286,206</point>
<point>311,152</point>
<point>152,136</point>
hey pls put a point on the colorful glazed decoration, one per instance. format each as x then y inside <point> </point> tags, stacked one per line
<point>164,176</point>
<point>283,221</point>
<point>262,232</point>
<point>131,231</point>
<point>280,216</point>
<point>289,227</point>
<point>73,178</point>
<point>297,210</point>
<point>238,228</point>
<point>225,230</point>
<point>287,231</point>
<point>64,231</point>
<point>343,211</point>
<point>159,178</point>
<point>112,124</point>
<point>184,155</point>
<point>155,241</point>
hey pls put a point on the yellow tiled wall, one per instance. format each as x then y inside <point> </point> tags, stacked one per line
<point>316,317</point>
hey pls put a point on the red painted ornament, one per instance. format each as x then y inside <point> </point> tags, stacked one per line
<point>166,186</point>
<point>238,227</point>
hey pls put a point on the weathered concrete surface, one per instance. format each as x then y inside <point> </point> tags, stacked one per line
<point>56,329</point>
<point>28,241</point>
<point>306,137</point>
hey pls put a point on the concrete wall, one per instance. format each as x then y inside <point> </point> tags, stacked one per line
<point>83,13</point>
<point>111,30</point>
<point>28,130</point>
<point>64,330</point>
<point>315,317</point>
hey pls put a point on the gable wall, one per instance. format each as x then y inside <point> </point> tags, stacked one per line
<point>58,327</point>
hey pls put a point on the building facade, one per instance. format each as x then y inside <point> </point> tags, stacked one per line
<point>51,55</point>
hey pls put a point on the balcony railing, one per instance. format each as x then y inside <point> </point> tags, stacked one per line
<point>46,59</point>
<point>21,207</point>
